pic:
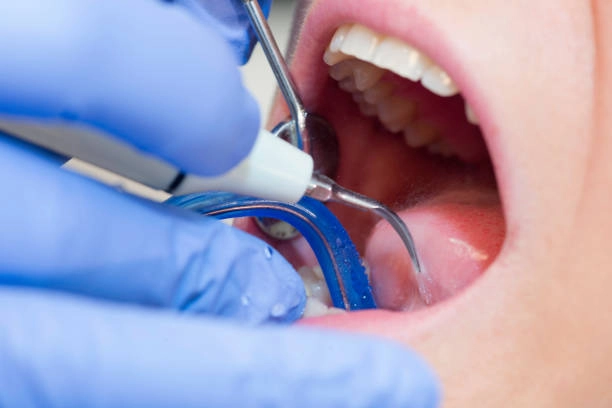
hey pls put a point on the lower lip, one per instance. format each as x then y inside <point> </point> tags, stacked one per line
<point>458,235</point>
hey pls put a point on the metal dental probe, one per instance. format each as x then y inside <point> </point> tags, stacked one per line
<point>309,132</point>
<point>322,187</point>
<point>278,66</point>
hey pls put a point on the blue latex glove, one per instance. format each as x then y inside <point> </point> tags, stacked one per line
<point>91,280</point>
<point>70,352</point>
<point>157,75</point>
<point>231,21</point>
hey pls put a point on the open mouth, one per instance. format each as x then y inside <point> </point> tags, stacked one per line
<point>412,136</point>
<point>415,145</point>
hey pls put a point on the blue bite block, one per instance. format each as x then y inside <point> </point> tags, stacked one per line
<point>341,263</point>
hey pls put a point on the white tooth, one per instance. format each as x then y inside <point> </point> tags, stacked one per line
<point>282,230</point>
<point>342,70</point>
<point>335,310</point>
<point>396,112</point>
<point>437,81</point>
<point>401,58</point>
<point>318,272</point>
<point>378,92</point>
<point>367,75</point>
<point>338,38</point>
<point>358,97</point>
<point>367,109</point>
<point>319,291</point>
<point>420,134</point>
<point>314,308</point>
<point>360,42</point>
<point>333,58</point>
<point>441,147</point>
<point>471,116</point>
<point>348,84</point>
<point>316,287</point>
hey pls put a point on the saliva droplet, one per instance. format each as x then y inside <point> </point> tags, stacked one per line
<point>268,252</point>
<point>278,310</point>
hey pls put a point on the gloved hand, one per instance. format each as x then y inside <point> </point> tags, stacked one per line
<point>91,280</point>
<point>157,75</point>
<point>229,18</point>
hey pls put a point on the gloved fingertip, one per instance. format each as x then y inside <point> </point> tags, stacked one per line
<point>379,373</point>
<point>245,280</point>
<point>321,368</point>
<point>416,385</point>
<point>278,294</point>
<point>292,299</point>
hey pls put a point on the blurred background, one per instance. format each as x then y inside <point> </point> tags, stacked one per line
<point>257,75</point>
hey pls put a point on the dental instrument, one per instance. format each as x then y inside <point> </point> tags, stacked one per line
<point>338,258</point>
<point>326,190</point>
<point>274,170</point>
<point>305,130</point>
<point>314,135</point>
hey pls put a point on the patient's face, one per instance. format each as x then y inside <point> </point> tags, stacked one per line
<point>509,202</point>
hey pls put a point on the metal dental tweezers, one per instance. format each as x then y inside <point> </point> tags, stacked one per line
<point>322,188</point>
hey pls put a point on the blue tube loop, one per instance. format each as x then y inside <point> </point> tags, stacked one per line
<point>339,259</point>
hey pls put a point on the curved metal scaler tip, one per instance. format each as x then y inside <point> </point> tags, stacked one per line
<point>324,189</point>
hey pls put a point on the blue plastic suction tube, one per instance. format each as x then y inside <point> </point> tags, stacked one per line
<point>339,259</point>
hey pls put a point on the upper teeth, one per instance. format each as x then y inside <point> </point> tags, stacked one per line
<point>439,82</point>
<point>389,53</point>
<point>359,58</point>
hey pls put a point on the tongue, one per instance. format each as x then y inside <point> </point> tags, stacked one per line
<point>457,234</point>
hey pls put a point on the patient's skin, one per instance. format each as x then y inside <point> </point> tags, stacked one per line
<point>535,330</point>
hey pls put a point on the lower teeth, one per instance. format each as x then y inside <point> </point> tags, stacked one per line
<point>319,301</point>
<point>315,307</point>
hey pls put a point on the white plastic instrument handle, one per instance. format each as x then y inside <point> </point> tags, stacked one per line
<point>274,169</point>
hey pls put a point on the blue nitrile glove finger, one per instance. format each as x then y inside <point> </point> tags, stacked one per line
<point>65,232</point>
<point>230,19</point>
<point>148,72</point>
<point>61,351</point>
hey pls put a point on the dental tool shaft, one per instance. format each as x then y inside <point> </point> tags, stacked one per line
<point>277,62</point>
<point>273,169</point>
<point>324,189</point>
